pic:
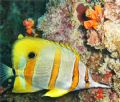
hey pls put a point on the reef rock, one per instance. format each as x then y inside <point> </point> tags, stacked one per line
<point>112,35</point>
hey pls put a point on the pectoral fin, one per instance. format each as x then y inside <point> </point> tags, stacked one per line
<point>56,93</point>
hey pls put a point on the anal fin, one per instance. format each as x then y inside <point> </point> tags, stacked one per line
<point>56,92</point>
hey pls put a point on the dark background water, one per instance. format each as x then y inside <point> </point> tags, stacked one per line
<point>12,14</point>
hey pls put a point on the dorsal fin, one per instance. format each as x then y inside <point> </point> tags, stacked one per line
<point>20,36</point>
<point>68,46</point>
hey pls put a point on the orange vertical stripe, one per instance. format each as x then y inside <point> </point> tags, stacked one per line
<point>75,74</point>
<point>87,84</point>
<point>86,74</point>
<point>55,69</point>
<point>28,73</point>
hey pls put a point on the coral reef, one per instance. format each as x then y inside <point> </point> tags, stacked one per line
<point>92,28</point>
<point>112,11</point>
<point>112,35</point>
<point>94,31</point>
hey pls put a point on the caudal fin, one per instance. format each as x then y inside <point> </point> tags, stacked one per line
<point>97,84</point>
<point>5,73</point>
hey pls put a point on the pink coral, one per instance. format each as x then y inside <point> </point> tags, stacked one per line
<point>112,11</point>
<point>107,77</point>
<point>113,96</point>
<point>93,38</point>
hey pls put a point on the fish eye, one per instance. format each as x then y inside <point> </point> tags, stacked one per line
<point>31,55</point>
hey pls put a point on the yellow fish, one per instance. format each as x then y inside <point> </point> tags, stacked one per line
<point>41,64</point>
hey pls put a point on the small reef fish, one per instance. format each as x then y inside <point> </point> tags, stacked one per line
<point>41,64</point>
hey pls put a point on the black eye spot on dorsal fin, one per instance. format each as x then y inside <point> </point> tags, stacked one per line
<point>31,55</point>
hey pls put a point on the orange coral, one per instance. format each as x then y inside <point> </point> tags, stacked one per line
<point>90,24</point>
<point>90,13</point>
<point>29,31</point>
<point>98,9</point>
<point>29,24</point>
<point>94,15</point>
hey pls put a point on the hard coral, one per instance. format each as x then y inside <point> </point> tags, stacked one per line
<point>94,61</point>
<point>112,11</point>
<point>117,84</point>
<point>56,21</point>
<point>59,26</point>
<point>112,35</point>
<point>115,65</point>
<point>93,38</point>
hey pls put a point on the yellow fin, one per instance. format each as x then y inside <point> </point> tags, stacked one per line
<point>20,36</point>
<point>56,92</point>
<point>68,46</point>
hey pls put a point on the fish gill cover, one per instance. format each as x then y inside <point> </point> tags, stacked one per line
<point>89,26</point>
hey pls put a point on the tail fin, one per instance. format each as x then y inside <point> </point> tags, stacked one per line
<point>96,84</point>
<point>5,73</point>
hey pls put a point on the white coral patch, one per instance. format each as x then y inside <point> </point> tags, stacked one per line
<point>112,34</point>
